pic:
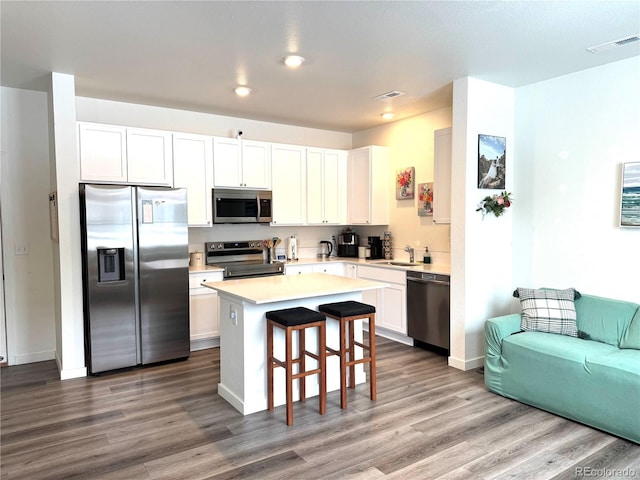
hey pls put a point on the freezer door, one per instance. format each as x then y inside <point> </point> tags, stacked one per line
<point>163,256</point>
<point>108,276</point>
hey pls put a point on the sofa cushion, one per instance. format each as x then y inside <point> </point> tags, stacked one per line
<point>604,319</point>
<point>546,310</point>
<point>631,337</point>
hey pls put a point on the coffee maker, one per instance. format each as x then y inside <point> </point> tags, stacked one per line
<point>375,246</point>
<point>348,244</point>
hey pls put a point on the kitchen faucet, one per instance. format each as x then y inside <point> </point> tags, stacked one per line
<point>410,250</point>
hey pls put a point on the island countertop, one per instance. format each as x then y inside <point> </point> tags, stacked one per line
<point>262,290</point>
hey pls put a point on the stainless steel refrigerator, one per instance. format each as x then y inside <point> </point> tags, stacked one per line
<point>135,261</point>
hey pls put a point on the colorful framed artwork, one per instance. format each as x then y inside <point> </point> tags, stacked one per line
<point>405,181</point>
<point>630,197</point>
<point>425,199</point>
<point>492,156</point>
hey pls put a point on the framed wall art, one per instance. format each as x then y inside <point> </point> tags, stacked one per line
<point>630,198</point>
<point>425,199</point>
<point>492,153</point>
<point>405,183</point>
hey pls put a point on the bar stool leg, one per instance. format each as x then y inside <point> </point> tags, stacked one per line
<point>343,365</point>
<point>322,360</point>
<point>289,375</point>
<point>302,367</point>
<point>270,365</point>
<point>352,356</point>
<point>372,354</point>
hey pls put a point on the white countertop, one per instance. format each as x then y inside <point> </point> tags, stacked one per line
<point>261,290</point>
<point>441,268</point>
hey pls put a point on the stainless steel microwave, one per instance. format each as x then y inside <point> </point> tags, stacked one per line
<point>241,206</point>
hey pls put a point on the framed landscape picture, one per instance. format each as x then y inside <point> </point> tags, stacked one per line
<point>492,153</point>
<point>630,198</point>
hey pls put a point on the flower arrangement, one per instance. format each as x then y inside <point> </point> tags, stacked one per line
<point>404,178</point>
<point>404,183</point>
<point>495,204</point>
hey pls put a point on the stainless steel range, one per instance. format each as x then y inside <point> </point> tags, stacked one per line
<point>241,259</point>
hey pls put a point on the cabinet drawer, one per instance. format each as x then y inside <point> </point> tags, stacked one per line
<point>387,275</point>
<point>196,279</point>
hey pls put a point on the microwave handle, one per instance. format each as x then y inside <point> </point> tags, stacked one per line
<point>258,209</point>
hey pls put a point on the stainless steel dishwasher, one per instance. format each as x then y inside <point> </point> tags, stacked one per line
<point>428,309</point>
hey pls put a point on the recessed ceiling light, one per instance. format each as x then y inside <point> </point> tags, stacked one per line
<point>293,61</point>
<point>387,115</point>
<point>242,91</point>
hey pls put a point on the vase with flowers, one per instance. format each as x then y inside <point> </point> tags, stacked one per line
<point>495,204</point>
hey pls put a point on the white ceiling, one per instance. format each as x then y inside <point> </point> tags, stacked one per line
<point>191,55</point>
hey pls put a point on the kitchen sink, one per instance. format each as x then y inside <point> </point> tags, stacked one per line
<point>400,264</point>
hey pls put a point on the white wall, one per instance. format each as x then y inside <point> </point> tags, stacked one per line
<point>574,133</point>
<point>481,252</point>
<point>411,144</point>
<point>161,118</point>
<point>25,222</point>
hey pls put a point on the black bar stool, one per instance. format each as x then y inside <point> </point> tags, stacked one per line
<point>347,313</point>
<point>291,320</point>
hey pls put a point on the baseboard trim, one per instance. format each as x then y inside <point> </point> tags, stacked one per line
<point>466,364</point>
<point>34,357</point>
<point>204,343</point>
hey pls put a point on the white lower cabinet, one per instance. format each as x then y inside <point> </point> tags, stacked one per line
<point>203,311</point>
<point>332,268</point>
<point>390,302</point>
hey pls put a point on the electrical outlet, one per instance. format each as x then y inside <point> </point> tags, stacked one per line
<point>233,315</point>
<point>21,249</point>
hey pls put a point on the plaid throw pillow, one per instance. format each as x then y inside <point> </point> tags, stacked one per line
<point>551,311</point>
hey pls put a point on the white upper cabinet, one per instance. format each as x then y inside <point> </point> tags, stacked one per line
<point>103,153</point>
<point>288,184</point>
<point>149,157</point>
<point>241,163</point>
<point>326,186</point>
<point>193,170</point>
<point>442,176</point>
<point>113,154</point>
<point>368,181</point>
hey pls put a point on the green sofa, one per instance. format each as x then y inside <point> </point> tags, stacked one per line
<point>593,378</point>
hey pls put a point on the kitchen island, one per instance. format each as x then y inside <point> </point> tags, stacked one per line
<point>243,303</point>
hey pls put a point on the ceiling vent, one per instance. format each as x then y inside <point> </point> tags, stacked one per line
<point>615,43</point>
<point>389,95</point>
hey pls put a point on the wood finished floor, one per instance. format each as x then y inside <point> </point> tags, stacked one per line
<point>167,422</point>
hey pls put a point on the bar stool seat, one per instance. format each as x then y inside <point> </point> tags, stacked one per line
<point>346,313</point>
<point>291,320</point>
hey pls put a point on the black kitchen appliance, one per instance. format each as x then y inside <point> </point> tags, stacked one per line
<point>375,246</point>
<point>348,243</point>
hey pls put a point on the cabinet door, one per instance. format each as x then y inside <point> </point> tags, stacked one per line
<point>335,187</point>
<point>315,190</point>
<point>227,168</point>
<point>442,176</point>
<point>149,157</point>
<point>394,307</point>
<point>256,164</point>
<point>204,321</point>
<point>193,170</point>
<point>288,184</point>
<point>102,152</point>
<point>359,191</point>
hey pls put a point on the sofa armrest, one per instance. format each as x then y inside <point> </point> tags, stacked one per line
<point>497,328</point>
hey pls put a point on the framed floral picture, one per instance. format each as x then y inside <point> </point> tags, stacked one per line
<point>405,181</point>
<point>630,201</point>
<point>425,199</point>
<point>492,166</point>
